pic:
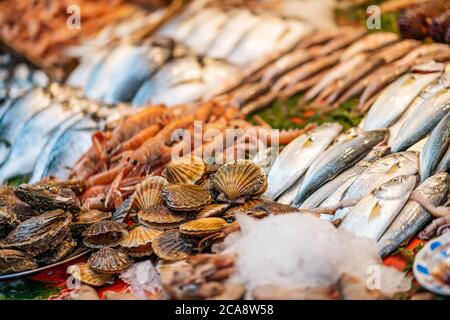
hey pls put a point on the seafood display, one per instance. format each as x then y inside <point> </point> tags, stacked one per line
<point>141,155</point>
<point>179,64</point>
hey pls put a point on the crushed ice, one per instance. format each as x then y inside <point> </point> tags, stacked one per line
<point>301,250</point>
<point>143,279</point>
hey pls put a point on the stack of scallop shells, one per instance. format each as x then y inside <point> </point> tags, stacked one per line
<point>188,203</point>
<point>172,216</point>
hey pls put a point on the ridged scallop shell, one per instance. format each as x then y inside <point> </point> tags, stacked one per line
<point>160,217</point>
<point>148,192</point>
<point>172,246</point>
<point>186,197</point>
<point>110,261</point>
<point>104,234</point>
<point>140,236</point>
<point>84,219</point>
<point>239,180</point>
<point>82,272</point>
<point>203,227</point>
<point>212,210</point>
<point>186,170</point>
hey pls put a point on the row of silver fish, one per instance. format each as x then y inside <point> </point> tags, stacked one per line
<point>331,68</point>
<point>237,35</point>
<point>44,131</point>
<point>158,71</point>
<point>187,58</point>
<point>415,108</point>
<point>353,180</point>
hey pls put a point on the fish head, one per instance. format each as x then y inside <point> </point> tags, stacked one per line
<point>396,187</point>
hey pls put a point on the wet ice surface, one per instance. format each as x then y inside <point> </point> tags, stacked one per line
<point>301,250</point>
<point>143,278</point>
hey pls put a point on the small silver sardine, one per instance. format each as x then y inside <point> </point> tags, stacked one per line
<point>187,25</point>
<point>41,162</point>
<point>396,98</point>
<point>347,178</point>
<point>423,120</point>
<point>259,41</point>
<point>371,216</point>
<point>413,218</point>
<point>435,148</point>
<point>177,71</point>
<point>379,172</point>
<point>201,37</point>
<point>137,66</point>
<point>297,156</point>
<point>79,77</point>
<point>181,93</point>
<point>102,74</point>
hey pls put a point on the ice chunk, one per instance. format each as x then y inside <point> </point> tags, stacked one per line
<point>300,250</point>
<point>143,279</point>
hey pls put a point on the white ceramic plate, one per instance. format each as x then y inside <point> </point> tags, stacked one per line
<point>436,251</point>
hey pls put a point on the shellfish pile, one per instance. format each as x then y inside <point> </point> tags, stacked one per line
<point>174,216</point>
<point>35,225</point>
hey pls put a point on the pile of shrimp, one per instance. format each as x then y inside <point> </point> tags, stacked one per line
<point>141,144</point>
